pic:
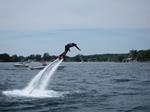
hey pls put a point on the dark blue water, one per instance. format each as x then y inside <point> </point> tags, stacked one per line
<point>89,87</point>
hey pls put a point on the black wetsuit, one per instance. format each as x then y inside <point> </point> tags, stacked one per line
<point>67,48</point>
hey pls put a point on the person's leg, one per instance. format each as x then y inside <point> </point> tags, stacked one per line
<point>61,56</point>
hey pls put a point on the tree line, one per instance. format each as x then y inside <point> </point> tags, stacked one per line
<point>141,55</point>
<point>33,57</point>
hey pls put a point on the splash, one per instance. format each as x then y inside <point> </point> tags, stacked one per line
<point>37,87</point>
<point>41,80</point>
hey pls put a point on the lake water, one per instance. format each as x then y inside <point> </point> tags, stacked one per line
<point>87,87</point>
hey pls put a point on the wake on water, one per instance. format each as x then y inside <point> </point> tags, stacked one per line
<point>37,87</point>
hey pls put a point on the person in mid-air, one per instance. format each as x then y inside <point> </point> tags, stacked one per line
<point>67,48</point>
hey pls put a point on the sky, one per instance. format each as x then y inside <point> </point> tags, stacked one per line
<point>97,26</point>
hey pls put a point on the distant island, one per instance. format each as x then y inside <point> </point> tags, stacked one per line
<point>133,55</point>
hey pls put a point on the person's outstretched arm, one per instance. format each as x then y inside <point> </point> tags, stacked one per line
<point>77,47</point>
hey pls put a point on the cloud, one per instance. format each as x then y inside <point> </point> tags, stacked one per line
<point>50,14</point>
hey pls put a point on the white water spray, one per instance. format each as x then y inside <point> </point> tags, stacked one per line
<point>38,85</point>
<point>40,81</point>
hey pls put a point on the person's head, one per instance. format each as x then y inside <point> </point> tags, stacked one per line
<point>74,44</point>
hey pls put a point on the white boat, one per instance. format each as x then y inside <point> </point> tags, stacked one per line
<point>37,67</point>
<point>22,64</point>
<point>60,67</point>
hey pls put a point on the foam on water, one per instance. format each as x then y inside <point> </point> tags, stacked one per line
<point>34,94</point>
<point>37,87</point>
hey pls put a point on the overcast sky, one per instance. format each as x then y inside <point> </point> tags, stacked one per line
<point>98,26</point>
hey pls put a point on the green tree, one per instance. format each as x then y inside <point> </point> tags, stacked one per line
<point>14,58</point>
<point>5,57</point>
<point>46,57</point>
<point>21,58</point>
<point>38,57</point>
<point>31,57</point>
